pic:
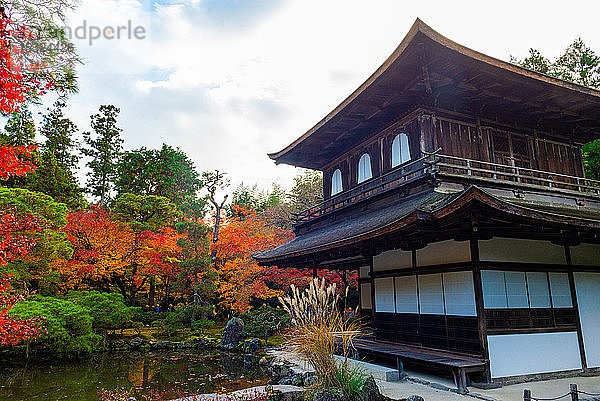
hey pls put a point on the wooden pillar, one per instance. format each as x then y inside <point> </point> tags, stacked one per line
<point>481,322</point>
<point>576,307</point>
<point>372,291</point>
<point>314,272</point>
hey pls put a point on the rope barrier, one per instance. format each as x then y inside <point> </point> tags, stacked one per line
<point>573,394</point>
<point>592,394</point>
<point>551,399</point>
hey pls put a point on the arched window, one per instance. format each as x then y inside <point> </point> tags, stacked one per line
<point>364,168</point>
<point>336,182</point>
<point>400,150</point>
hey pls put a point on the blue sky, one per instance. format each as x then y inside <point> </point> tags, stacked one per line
<point>228,81</point>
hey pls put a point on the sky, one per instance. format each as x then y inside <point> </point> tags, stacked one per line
<point>228,81</point>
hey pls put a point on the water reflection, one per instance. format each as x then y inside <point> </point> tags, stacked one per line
<point>174,372</point>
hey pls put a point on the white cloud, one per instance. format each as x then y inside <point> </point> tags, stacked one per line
<point>229,80</point>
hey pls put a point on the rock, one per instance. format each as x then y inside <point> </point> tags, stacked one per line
<point>329,394</point>
<point>310,381</point>
<point>263,362</point>
<point>415,398</point>
<point>252,346</point>
<point>232,333</point>
<point>247,361</point>
<point>291,381</point>
<point>371,391</point>
<point>164,345</point>
<point>136,342</point>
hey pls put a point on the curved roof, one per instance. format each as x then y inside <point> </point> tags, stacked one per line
<point>427,64</point>
<point>430,206</point>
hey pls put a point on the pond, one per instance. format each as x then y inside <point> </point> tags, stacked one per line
<point>173,373</point>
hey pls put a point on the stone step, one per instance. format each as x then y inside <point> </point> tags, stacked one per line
<point>379,372</point>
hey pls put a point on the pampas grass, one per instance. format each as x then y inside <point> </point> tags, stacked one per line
<point>318,329</point>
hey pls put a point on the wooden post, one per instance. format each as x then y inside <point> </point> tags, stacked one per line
<point>574,393</point>
<point>314,272</point>
<point>526,395</point>
<point>372,295</point>
<point>575,304</point>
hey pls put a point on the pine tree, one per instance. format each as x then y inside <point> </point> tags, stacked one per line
<point>104,149</point>
<point>54,179</point>
<point>60,134</point>
<point>19,129</point>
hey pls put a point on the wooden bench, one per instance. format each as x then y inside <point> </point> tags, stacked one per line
<point>459,365</point>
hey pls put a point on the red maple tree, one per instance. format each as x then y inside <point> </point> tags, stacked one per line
<point>14,331</point>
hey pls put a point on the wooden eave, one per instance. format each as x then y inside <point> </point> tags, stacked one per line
<point>443,216</point>
<point>428,69</point>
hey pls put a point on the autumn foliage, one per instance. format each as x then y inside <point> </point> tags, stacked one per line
<point>107,252</point>
<point>14,331</point>
<point>241,279</point>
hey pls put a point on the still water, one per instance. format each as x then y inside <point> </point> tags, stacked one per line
<point>172,372</point>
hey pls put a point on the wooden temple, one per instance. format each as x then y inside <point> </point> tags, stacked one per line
<point>454,184</point>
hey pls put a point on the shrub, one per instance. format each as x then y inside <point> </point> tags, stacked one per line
<point>183,317</point>
<point>69,325</point>
<point>147,317</point>
<point>201,326</point>
<point>137,326</point>
<point>265,319</point>
<point>108,310</point>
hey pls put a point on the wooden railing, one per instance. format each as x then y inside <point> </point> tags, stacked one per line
<point>452,165</point>
<point>400,175</point>
<point>438,165</point>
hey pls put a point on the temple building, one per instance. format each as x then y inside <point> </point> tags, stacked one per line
<point>454,183</point>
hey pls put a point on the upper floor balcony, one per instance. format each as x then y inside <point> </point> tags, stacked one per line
<point>437,167</point>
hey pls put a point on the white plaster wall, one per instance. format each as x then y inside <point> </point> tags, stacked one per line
<point>365,296</point>
<point>585,254</point>
<point>521,250</point>
<point>363,271</point>
<point>444,252</point>
<point>523,354</point>
<point>389,260</point>
<point>587,287</point>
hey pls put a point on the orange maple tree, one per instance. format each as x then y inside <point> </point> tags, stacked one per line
<point>107,253</point>
<point>241,279</point>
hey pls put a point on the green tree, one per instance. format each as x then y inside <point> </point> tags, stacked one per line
<point>578,64</point>
<point>54,179</point>
<point>104,149</point>
<point>19,129</point>
<point>51,45</point>
<point>306,192</point>
<point>252,197</point>
<point>60,133</point>
<point>32,271</point>
<point>108,310</point>
<point>69,325</point>
<point>166,172</point>
<point>145,212</point>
